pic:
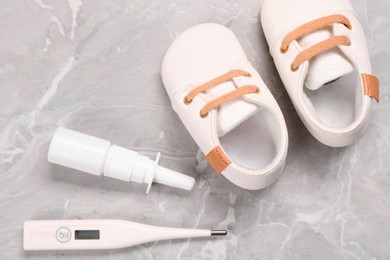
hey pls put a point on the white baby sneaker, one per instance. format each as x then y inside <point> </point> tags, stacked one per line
<point>320,51</point>
<point>226,106</point>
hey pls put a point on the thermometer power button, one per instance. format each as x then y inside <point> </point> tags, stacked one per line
<point>63,234</point>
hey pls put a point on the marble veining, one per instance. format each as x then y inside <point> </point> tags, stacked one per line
<point>94,66</point>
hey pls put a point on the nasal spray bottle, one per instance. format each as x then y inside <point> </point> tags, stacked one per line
<point>99,157</point>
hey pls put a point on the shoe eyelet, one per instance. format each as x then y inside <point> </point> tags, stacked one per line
<point>186,101</point>
<point>283,51</point>
<point>293,69</point>
<point>203,115</point>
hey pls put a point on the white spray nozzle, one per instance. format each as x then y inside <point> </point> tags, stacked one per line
<point>99,157</point>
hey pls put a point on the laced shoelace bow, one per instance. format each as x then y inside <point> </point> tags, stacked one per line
<point>230,96</point>
<point>321,47</point>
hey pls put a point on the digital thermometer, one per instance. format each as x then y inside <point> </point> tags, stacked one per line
<point>100,234</point>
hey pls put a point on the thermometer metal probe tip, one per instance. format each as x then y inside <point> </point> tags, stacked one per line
<point>219,232</point>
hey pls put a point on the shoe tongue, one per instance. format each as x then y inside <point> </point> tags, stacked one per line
<point>233,113</point>
<point>327,66</point>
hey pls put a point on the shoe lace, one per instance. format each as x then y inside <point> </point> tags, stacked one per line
<point>320,47</point>
<point>230,96</point>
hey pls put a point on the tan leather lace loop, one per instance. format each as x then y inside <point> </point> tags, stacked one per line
<point>312,27</point>
<point>248,89</point>
<point>320,47</point>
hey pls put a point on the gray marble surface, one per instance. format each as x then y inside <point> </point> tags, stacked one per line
<point>94,66</point>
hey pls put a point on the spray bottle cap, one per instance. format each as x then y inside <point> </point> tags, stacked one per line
<point>98,157</point>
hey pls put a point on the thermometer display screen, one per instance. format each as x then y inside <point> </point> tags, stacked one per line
<point>87,234</point>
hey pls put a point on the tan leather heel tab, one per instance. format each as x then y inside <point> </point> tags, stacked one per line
<point>371,86</point>
<point>218,160</point>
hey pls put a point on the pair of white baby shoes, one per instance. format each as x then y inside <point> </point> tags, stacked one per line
<point>318,47</point>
